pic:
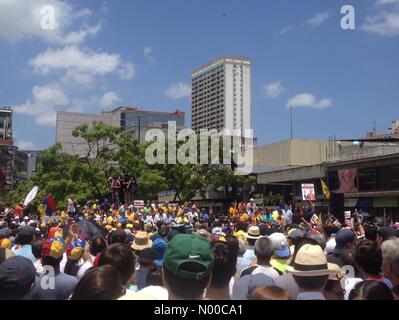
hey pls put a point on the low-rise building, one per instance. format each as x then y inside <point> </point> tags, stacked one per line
<point>133,120</point>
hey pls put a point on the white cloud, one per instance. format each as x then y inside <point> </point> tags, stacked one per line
<point>126,71</point>
<point>109,99</point>
<point>274,89</point>
<point>385,2</point>
<point>178,91</point>
<point>148,54</point>
<point>81,35</point>
<point>318,19</point>
<point>26,145</point>
<point>308,100</point>
<point>385,19</point>
<point>286,29</point>
<point>83,13</point>
<point>46,100</point>
<point>21,19</point>
<point>72,59</point>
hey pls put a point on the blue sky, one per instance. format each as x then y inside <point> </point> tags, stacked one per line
<point>142,53</point>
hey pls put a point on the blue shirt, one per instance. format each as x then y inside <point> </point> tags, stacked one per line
<point>311,295</point>
<point>242,264</point>
<point>250,253</point>
<point>288,216</point>
<point>64,284</point>
<point>25,251</point>
<point>267,218</point>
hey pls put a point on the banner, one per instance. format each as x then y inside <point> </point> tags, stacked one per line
<point>31,195</point>
<point>138,203</point>
<point>308,192</point>
<point>347,180</point>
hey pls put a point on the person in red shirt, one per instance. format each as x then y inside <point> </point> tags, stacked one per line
<point>19,210</point>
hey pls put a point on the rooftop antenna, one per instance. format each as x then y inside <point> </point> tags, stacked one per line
<point>375,125</point>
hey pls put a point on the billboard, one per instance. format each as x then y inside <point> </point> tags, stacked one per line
<point>308,191</point>
<point>347,180</point>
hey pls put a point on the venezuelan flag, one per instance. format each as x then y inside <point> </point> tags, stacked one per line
<point>51,205</point>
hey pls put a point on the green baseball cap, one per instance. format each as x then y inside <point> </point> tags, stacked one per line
<point>184,248</point>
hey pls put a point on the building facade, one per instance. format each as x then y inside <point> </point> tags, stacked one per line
<point>132,120</point>
<point>32,156</point>
<point>6,135</point>
<point>221,95</point>
<point>13,163</point>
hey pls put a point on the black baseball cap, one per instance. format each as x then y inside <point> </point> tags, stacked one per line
<point>27,231</point>
<point>147,256</point>
<point>15,273</point>
<point>343,238</point>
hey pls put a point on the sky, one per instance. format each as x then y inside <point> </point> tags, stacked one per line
<point>105,54</point>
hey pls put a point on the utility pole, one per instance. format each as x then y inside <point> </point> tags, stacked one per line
<point>139,128</point>
<point>291,122</point>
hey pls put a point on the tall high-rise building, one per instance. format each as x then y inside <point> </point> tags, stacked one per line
<point>221,95</point>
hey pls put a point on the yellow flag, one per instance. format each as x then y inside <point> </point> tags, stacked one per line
<point>326,191</point>
<point>320,219</point>
<point>42,209</point>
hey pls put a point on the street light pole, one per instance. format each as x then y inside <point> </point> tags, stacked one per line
<point>291,122</point>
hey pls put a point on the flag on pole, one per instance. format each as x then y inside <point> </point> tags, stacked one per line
<point>326,191</point>
<point>51,205</point>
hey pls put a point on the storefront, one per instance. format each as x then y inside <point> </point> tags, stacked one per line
<point>371,185</point>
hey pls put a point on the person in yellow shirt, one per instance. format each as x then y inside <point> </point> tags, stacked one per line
<point>64,214</point>
<point>244,217</point>
<point>233,209</point>
<point>275,215</point>
<point>257,218</point>
<point>182,219</point>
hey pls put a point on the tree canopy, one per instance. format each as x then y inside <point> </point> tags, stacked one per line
<point>110,152</point>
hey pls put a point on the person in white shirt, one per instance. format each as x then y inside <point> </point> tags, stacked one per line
<point>71,206</point>
<point>251,207</point>
<point>160,216</point>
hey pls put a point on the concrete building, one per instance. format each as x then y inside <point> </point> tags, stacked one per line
<point>221,95</point>
<point>6,134</point>
<point>374,167</point>
<point>33,156</point>
<point>13,163</point>
<point>133,120</point>
<point>279,165</point>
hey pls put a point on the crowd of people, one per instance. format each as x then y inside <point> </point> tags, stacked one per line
<point>171,251</point>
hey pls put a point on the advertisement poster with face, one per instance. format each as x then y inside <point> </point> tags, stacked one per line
<point>308,192</point>
<point>347,180</point>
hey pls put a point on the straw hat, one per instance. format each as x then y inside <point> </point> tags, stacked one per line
<point>141,241</point>
<point>253,233</point>
<point>310,261</point>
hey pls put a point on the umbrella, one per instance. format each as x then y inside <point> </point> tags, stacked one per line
<point>92,229</point>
